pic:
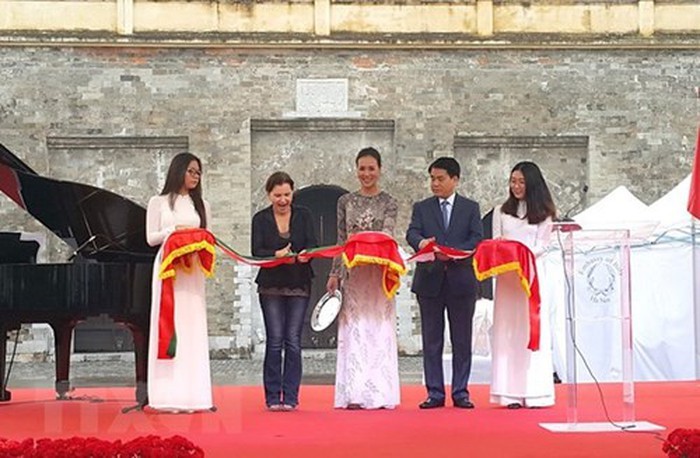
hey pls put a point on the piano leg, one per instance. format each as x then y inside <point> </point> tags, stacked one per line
<point>141,357</point>
<point>4,394</point>
<point>140,334</point>
<point>63,335</point>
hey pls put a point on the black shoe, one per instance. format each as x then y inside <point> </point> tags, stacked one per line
<point>431,403</point>
<point>463,403</point>
<point>514,406</point>
<point>556,378</point>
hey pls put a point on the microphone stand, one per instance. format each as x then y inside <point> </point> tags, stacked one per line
<point>566,223</point>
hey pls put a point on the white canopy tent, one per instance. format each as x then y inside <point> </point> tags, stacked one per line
<point>662,283</point>
<point>620,209</point>
<point>678,229</point>
<point>671,209</point>
<point>620,205</point>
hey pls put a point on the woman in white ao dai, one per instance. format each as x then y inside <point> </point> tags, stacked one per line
<point>521,377</point>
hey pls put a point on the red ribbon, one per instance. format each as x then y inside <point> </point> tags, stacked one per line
<point>496,257</point>
<point>181,251</point>
<point>377,248</point>
<point>362,248</point>
<point>428,252</point>
<point>253,261</point>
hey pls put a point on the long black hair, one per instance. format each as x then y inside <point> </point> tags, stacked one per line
<point>539,201</point>
<point>175,180</point>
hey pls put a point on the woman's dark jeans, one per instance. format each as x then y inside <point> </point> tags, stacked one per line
<point>284,318</point>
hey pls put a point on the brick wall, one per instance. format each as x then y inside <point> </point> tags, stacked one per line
<point>637,108</point>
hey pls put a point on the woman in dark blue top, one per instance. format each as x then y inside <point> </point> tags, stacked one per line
<point>278,230</point>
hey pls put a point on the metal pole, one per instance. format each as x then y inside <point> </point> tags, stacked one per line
<point>696,296</point>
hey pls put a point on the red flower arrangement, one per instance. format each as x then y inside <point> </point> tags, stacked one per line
<point>91,447</point>
<point>683,443</point>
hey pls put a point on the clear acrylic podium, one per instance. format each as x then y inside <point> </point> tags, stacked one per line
<point>597,300</point>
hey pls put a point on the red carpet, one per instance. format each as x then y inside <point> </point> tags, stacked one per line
<point>242,428</point>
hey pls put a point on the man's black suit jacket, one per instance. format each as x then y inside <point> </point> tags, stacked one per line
<point>464,232</point>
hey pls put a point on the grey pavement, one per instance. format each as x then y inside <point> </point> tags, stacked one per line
<point>116,370</point>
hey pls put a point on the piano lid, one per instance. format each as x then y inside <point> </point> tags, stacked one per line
<point>98,223</point>
<point>13,161</point>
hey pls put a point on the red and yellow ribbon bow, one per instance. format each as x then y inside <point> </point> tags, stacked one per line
<point>496,257</point>
<point>181,251</point>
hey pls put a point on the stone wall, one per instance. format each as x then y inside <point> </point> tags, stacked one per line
<point>605,118</point>
<point>326,18</point>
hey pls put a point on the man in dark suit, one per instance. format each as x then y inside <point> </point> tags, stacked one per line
<point>454,221</point>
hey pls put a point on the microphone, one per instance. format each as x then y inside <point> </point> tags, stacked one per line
<point>566,223</point>
<point>80,248</point>
<point>567,215</point>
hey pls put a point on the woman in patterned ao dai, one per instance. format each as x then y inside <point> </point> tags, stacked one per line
<point>367,373</point>
<point>521,377</point>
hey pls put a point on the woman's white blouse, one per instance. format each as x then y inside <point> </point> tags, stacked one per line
<point>161,220</point>
<point>534,236</point>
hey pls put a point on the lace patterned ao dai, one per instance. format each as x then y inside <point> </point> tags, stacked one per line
<point>367,373</point>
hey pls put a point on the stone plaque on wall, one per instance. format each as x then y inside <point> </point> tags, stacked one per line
<point>326,97</point>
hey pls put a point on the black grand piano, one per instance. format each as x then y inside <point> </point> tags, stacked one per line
<point>109,273</point>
